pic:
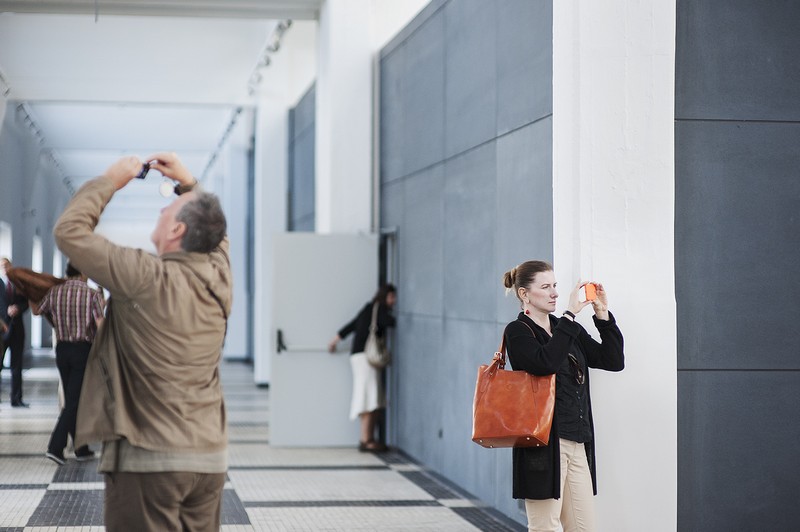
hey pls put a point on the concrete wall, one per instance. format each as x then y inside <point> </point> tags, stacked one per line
<point>466,165</point>
<point>513,130</point>
<point>736,135</point>
<point>301,163</point>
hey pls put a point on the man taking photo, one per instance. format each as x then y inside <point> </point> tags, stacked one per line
<point>151,391</point>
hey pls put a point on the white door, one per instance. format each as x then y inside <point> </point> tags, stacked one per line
<point>320,283</point>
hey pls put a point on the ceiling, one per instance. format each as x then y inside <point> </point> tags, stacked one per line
<point>101,79</point>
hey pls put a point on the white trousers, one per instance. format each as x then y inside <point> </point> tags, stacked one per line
<point>575,509</point>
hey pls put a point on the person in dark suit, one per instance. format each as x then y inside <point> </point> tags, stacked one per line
<point>12,306</point>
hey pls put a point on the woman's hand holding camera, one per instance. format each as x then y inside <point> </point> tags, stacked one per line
<point>575,305</point>
<point>600,303</point>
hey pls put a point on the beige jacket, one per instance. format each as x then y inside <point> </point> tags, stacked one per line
<point>153,371</point>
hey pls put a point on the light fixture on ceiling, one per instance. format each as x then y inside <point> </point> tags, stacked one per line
<point>223,139</point>
<point>272,46</point>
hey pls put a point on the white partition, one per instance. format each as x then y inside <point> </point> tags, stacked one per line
<point>320,283</point>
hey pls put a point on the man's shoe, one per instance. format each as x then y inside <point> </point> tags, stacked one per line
<point>84,456</point>
<point>20,404</point>
<point>59,459</point>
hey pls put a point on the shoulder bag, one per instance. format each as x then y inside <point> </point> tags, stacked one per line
<point>378,354</point>
<point>512,408</point>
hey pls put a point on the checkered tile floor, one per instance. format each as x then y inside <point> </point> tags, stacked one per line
<point>268,488</point>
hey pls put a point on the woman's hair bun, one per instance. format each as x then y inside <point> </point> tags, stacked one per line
<point>510,277</point>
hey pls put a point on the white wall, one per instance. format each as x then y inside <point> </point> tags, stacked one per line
<point>613,87</point>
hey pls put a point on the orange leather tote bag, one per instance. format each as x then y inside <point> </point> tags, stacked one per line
<point>512,408</point>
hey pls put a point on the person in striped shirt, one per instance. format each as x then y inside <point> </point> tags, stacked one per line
<point>76,311</point>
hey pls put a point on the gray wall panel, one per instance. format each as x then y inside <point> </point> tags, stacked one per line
<point>417,404</point>
<point>303,189</point>
<point>392,75</point>
<point>423,96</point>
<point>422,242</point>
<point>738,437</point>
<point>301,180</point>
<point>305,111</point>
<point>524,204</point>
<point>736,226</point>
<point>523,93</point>
<point>471,81</point>
<point>393,205</point>
<point>456,236</point>
<point>738,60</point>
<point>469,235</point>
<point>737,209</point>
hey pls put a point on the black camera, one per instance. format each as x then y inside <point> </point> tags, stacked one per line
<point>143,173</point>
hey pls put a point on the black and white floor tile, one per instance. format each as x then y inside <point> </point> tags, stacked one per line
<point>269,489</point>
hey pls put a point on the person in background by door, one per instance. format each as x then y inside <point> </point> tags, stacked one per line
<point>76,311</point>
<point>368,394</point>
<point>12,306</point>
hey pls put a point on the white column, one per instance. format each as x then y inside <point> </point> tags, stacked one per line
<point>613,196</point>
<point>271,154</point>
<point>344,118</point>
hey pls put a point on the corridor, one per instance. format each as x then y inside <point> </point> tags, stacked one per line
<point>272,489</point>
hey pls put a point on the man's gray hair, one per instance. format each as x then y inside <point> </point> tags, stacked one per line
<point>205,223</point>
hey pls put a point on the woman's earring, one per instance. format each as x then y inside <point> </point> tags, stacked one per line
<point>527,312</point>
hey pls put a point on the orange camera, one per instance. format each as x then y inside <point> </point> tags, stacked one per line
<point>591,291</point>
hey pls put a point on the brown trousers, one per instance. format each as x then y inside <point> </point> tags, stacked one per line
<point>172,501</point>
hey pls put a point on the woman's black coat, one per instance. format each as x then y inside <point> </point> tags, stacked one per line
<point>360,325</point>
<point>537,470</point>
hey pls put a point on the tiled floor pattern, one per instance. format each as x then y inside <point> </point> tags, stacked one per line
<point>270,489</point>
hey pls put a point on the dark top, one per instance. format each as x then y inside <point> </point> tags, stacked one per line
<point>16,326</point>
<point>572,398</point>
<point>537,473</point>
<point>360,324</point>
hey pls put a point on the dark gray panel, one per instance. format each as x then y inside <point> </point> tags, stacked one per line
<point>525,197</point>
<point>416,410</point>
<point>421,259</point>
<point>469,241</point>
<point>738,434</point>
<point>471,80</point>
<point>423,96</point>
<point>305,111</point>
<point>392,110</point>
<point>467,345</point>
<point>736,254</point>
<point>392,205</point>
<point>524,62</point>
<point>303,184</point>
<point>304,224</point>
<point>737,59</point>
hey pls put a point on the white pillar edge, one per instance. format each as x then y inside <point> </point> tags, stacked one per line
<point>271,162</point>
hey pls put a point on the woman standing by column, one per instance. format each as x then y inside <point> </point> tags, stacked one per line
<point>558,481</point>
